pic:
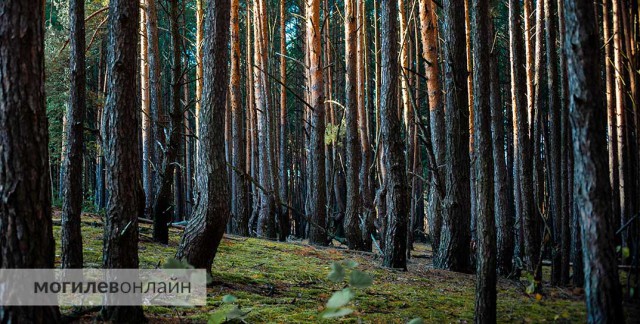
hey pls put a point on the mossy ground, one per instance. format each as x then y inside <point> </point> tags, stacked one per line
<point>287,283</point>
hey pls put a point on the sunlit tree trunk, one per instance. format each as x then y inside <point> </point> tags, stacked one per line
<point>397,198</point>
<point>429,36</point>
<point>282,153</point>
<point>240,223</point>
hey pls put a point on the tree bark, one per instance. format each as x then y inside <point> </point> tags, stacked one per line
<point>316,205</point>
<point>25,185</point>
<point>72,204</point>
<point>454,251</point>
<point>352,229</point>
<point>553,148</point>
<point>284,220</point>
<point>485,301</point>
<point>125,203</point>
<point>397,198</point>
<point>240,224</point>
<point>593,195</point>
<point>429,35</point>
<point>503,197</point>
<point>204,231</point>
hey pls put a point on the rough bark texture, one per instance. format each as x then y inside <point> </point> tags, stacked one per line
<point>317,199</point>
<point>123,179</point>
<point>352,230</point>
<point>485,301</point>
<point>240,223</point>
<point>523,173</point>
<point>429,36</point>
<point>26,237</point>
<point>163,206</point>
<point>593,195</point>
<point>72,204</point>
<point>155,102</point>
<point>454,252</point>
<point>553,148</point>
<point>204,231</point>
<point>397,198</point>
<point>148,142</point>
<point>284,220</point>
<point>267,202</point>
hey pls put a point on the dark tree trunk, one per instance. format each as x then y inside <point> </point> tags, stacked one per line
<point>523,172</point>
<point>72,205</point>
<point>397,198</point>
<point>163,203</point>
<point>123,179</point>
<point>504,220</point>
<point>565,172</point>
<point>553,148</point>
<point>25,185</point>
<point>481,33</point>
<point>593,194</point>
<point>455,238</point>
<point>204,231</point>
<point>240,225</point>
<point>352,144</point>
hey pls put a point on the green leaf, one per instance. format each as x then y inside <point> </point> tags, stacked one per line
<point>236,313</point>
<point>217,317</point>
<point>531,288</point>
<point>336,312</point>
<point>350,264</point>
<point>625,252</point>
<point>337,272</point>
<point>360,279</point>
<point>340,298</point>
<point>416,320</point>
<point>229,299</point>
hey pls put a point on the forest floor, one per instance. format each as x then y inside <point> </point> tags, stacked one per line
<point>287,283</point>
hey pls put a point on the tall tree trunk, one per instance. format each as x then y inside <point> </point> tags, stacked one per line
<point>204,231</point>
<point>163,202</point>
<point>397,197</point>
<point>148,142</point>
<point>429,34</point>
<point>317,195</point>
<point>565,173</point>
<point>155,102</point>
<point>124,184</point>
<point>602,288</point>
<point>25,186</point>
<point>453,253</point>
<point>352,144</point>
<point>485,301</point>
<point>611,113</point>
<point>504,220</point>
<point>199,69</point>
<point>284,221</point>
<point>366,183</point>
<point>72,205</point>
<point>267,209</point>
<point>240,213</point>
<point>523,181</point>
<point>553,148</point>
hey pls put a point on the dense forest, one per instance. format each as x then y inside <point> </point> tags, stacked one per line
<point>423,138</point>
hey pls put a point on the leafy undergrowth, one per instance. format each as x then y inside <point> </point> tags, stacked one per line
<point>287,283</point>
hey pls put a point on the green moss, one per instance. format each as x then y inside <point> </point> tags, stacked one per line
<point>287,282</point>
